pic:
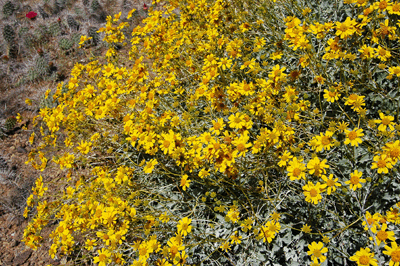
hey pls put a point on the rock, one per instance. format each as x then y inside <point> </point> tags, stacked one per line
<point>22,257</point>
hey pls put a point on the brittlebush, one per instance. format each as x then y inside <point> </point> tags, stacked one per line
<point>232,133</point>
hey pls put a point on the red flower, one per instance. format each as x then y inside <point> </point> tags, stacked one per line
<point>31,15</point>
<point>145,6</point>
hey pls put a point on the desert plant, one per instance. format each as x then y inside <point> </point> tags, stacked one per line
<point>10,123</point>
<point>72,23</point>
<point>55,29</point>
<point>92,32</point>
<point>8,33</point>
<point>65,44</point>
<point>231,133</point>
<point>8,9</point>
<point>43,13</point>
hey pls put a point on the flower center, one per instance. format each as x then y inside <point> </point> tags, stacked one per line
<point>166,143</point>
<point>317,253</point>
<point>296,172</point>
<point>395,152</point>
<point>325,140</point>
<point>102,257</point>
<point>364,260</point>
<point>382,5</point>
<point>184,227</point>
<point>352,135</point>
<point>237,120</point>
<point>313,192</point>
<point>382,235</point>
<point>381,164</point>
<point>395,256</point>
<point>385,121</point>
<point>354,180</point>
<point>330,183</point>
<point>241,147</point>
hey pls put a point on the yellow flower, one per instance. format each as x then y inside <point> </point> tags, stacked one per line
<point>296,169</point>
<point>395,70</point>
<point>317,167</point>
<point>355,180</point>
<point>233,215</point>
<point>312,192</point>
<point>180,259</point>
<point>393,150</point>
<point>236,121</point>
<point>266,234</point>
<point>84,147</point>
<point>331,183</point>
<point>346,28</point>
<point>383,163</point>
<point>28,101</point>
<point>383,54</point>
<point>354,137</point>
<point>184,226</point>
<point>284,158</point>
<point>383,235</point>
<point>394,253</point>
<point>324,141</point>
<point>367,52</point>
<point>130,13</point>
<point>103,257</point>
<point>316,250</point>
<point>225,246</point>
<point>185,183</point>
<point>236,239</point>
<point>364,257</point>
<point>386,121</point>
<point>331,95</point>
<point>150,166</point>
<point>306,229</point>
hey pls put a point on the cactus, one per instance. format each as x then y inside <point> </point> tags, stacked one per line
<point>65,44</point>
<point>22,31</point>
<point>29,40</point>
<point>54,29</point>
<point>76,38</point>
<point>8,9</point>
<point>59,5</point>
<point>9,33</point>
<point>95,6</point>
<point>41,65</point>
<point>72,23</point>
<point>32,74</point>
<point>92,32</point>
<point>10,123</point>
<point>42,33</point>
<point>43,13</point>
<point>12,50</point>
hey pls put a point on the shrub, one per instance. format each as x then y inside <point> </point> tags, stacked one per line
<point>233,133</point>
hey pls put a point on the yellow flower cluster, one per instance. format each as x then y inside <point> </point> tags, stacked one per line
<point>208,118</point>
